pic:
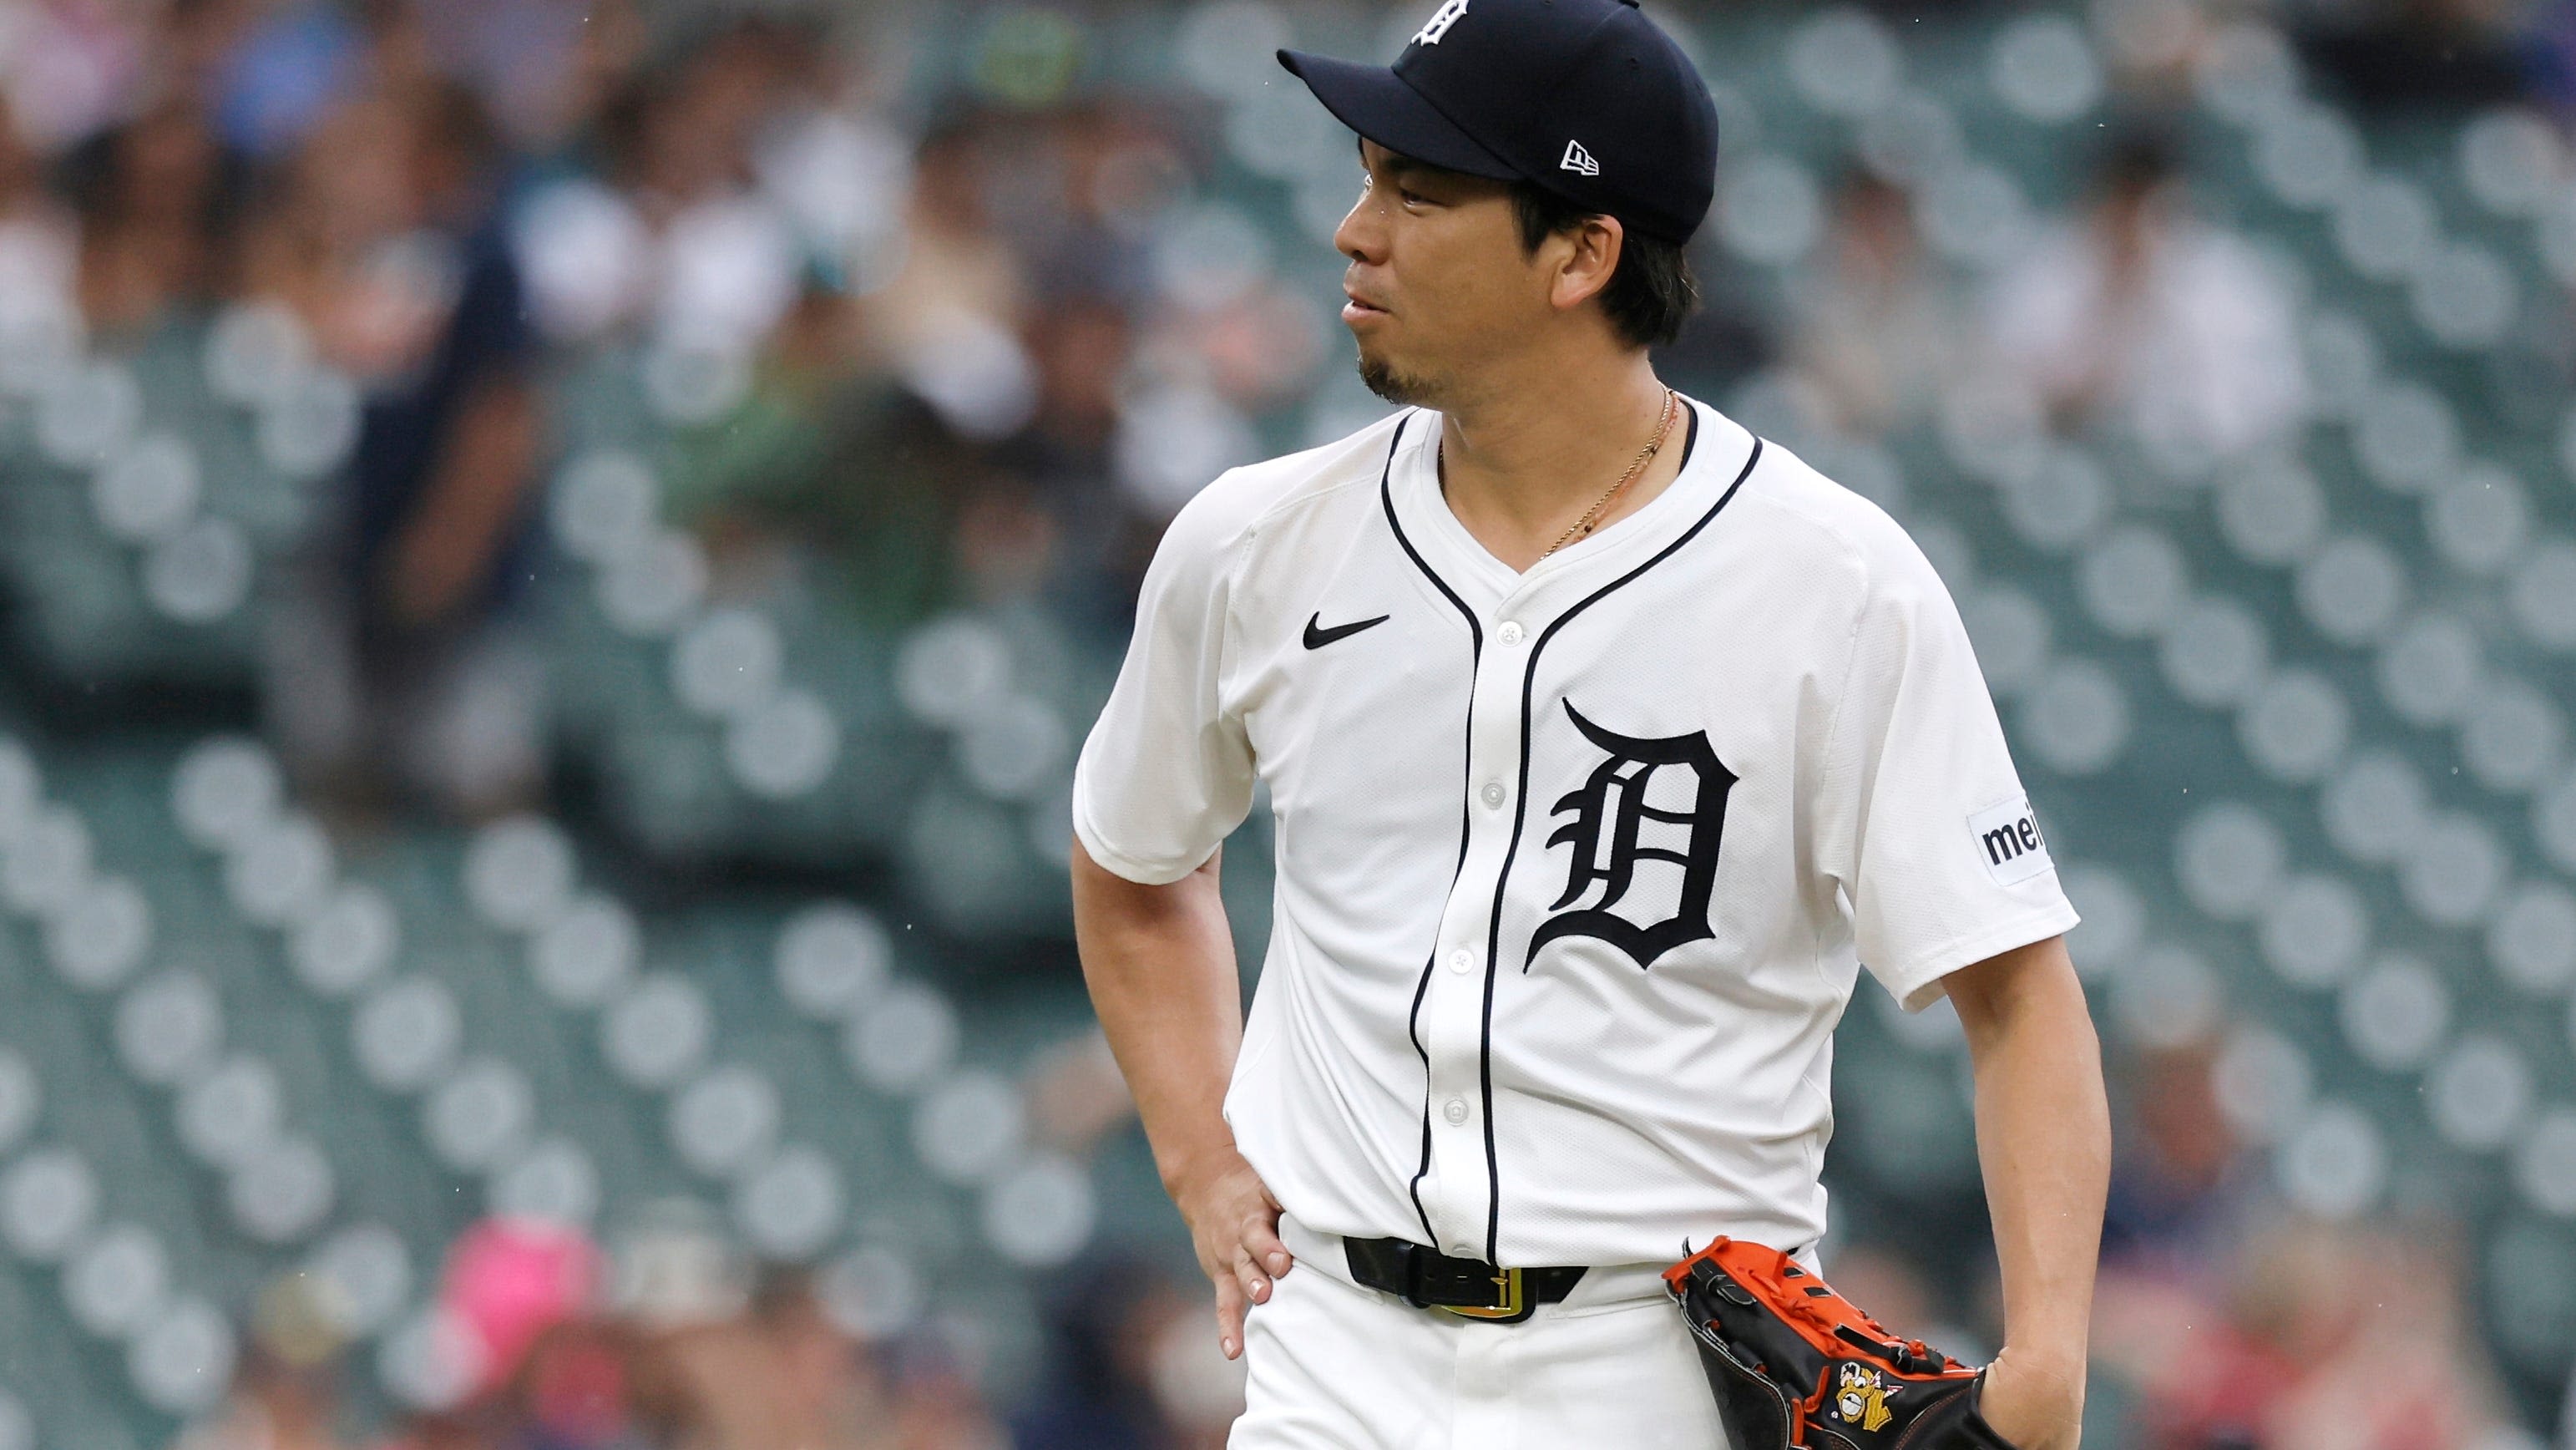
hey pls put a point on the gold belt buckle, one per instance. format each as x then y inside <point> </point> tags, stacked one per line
<point>1509,1281</point>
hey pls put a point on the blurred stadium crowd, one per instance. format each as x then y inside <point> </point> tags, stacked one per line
<point>555,554</point>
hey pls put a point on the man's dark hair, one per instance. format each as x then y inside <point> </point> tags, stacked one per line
<point>1651,291</point>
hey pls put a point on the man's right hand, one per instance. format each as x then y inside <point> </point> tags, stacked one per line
<point>1234,1224</point>
<point>1160,964</point>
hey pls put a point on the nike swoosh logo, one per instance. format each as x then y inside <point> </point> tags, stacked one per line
<point>1318,638</point>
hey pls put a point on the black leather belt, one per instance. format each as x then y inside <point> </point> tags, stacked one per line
<point>1470,1288</point>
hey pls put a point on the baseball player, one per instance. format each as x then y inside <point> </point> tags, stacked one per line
<point>1605,742</point>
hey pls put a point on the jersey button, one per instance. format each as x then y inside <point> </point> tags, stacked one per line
<point>1492,795</point>
<point>1456,1112</point>
<point>1510,633</point>
<point>1462,960</point>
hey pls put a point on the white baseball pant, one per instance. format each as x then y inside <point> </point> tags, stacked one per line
<point>1334,1366</point>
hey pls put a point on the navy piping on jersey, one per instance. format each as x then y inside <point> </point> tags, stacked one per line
<point>1475,660</point>
<point>1520,811</point>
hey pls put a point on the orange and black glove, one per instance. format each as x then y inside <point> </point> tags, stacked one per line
<point>1796,1364</point>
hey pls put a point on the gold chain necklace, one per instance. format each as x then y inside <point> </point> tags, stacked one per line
<point>1592,516</point>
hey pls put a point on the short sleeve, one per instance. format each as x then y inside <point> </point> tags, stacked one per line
<point>1167,772</point>
<point>1924,823</point>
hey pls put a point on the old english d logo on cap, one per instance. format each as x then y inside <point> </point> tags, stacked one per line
<point>1440,21</point>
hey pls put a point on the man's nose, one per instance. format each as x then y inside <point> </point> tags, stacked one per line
<point>1361,237</point>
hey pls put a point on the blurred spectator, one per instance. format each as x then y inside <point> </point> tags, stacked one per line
<point>1728,339</point>
<point>575,1389</point>
<point>2140,315</point>
<point>1077,1094</point>
<point>39,238</point>
<point>815,454</point>
<point>2553,57</point>
<point>730,267</point>
<point>1872,328</point>
<point>781,1374</point>
<point>2182,1196</point>
<point>2331,1338</point>
<point>1064,460</point>
<point>154,198</point>
<point>344,241</point>
<point>196,49</point>
<point>272,77</point>
<point>545,66</point>
<point>74,69</point>
<point>1099,1390</point>
<point>831,1393</point>
<point>274,1405</point>
<point>680,1360</point>
<point>1130,1365</point>
<point>439,1431</point>
<point>949,318</point>
<point>2454,55</point>
<point>390,245</point>
<point>509,1282</point>
<point>938,1406</point>
<point>449,450</point>
<point>2179,1188</point>
<point>1008,319</point>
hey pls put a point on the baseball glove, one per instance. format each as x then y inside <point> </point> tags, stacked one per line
<point>1796,1364</point>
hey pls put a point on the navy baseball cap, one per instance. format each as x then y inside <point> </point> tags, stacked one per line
<point>1585,99</point>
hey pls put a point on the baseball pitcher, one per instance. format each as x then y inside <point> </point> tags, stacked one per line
<point>1606,743</point>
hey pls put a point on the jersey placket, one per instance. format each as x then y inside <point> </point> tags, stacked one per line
<point>1458,1197</point>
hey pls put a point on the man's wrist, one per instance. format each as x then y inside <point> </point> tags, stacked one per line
<point>2054,1364</point>
<point>1183,1167</point>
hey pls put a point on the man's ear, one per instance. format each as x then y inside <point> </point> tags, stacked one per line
<point>1590,254</point>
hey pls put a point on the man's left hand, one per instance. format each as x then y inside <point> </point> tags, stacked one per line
<point>2035,1404</point>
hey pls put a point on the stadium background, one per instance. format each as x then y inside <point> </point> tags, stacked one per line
<point>556,555</point>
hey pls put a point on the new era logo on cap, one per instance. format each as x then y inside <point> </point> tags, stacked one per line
<point>1440,21</point>
<point>1578,160</point>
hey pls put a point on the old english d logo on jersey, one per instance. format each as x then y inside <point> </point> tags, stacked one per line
<point>1618,823</point>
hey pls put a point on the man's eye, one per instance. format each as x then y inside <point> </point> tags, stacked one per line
<point>1410,197</point>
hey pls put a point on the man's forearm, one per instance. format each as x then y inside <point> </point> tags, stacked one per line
<point>2044,1138</point>
<point>488,459</point>
<point>1159,961</point>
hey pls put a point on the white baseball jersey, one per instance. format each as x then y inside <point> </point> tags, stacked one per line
<point>1576,865</point>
